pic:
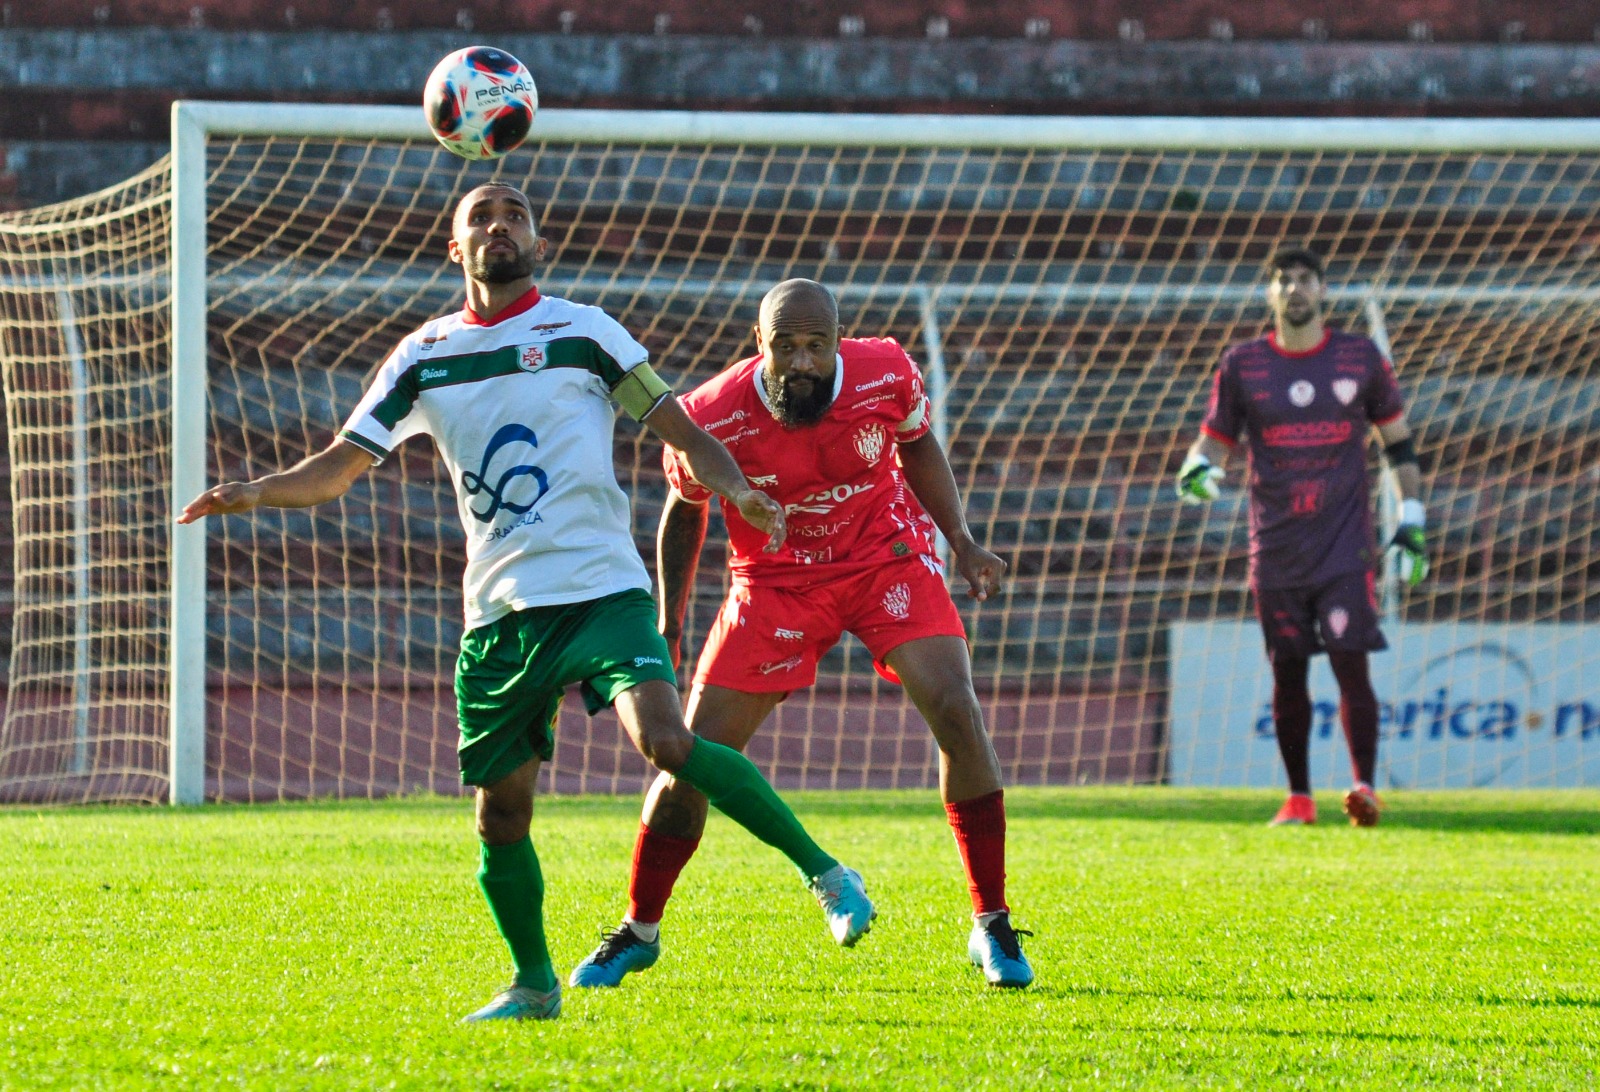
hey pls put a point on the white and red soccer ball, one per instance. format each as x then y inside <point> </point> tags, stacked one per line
<point>480,102</point>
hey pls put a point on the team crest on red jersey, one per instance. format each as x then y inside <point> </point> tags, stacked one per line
<point>869,442</point>
<point>532,359</point>
<point>897,601</point>
<point>1345,390</point>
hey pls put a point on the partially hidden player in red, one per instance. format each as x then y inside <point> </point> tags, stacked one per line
<point>1306,396</point>
<point>837,431</point>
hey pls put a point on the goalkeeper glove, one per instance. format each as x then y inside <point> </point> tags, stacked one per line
<point>1197,480</point>
<point>1409,547</point>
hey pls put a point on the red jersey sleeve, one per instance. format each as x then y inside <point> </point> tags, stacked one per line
<point>1223,420</point>
<point>911,397</point>
<point>678,475</point>
<point>1385,403</point>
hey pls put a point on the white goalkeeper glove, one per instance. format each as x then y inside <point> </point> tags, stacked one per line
<point>1197,480</point>
<point>1408,549</point>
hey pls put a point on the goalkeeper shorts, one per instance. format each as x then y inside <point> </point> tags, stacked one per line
<point>767,639</point>
<point>1340,614</point>
<point>512,673</point>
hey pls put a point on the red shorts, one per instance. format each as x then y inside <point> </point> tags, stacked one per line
<point>769,639</point>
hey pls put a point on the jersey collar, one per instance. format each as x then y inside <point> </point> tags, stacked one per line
<point>521,304</point>
<point>1272,343</point>
<point>761,388</point>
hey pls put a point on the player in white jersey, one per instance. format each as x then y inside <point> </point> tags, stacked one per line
<point>517,391</point>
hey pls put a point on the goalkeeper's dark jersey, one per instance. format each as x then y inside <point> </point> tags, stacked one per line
<point>1306,417</point>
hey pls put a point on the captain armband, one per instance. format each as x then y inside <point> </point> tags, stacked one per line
<point>640,391</point>
<point>1400,453</point>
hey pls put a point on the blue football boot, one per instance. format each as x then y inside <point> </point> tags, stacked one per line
<point>844,901</point>
<point>520,1003</point>
<point>995,948</point>
<point>620,952</point>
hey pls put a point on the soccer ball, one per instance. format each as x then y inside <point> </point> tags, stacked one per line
<point>480,102</point>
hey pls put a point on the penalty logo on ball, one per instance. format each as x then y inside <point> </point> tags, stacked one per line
<point>480,102</point>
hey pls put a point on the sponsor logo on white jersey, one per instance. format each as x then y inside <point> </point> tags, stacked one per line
<point>532,359</point>
<point>1302,393</point>
<point>886,378</point>
<point>762,481</point>
<point>1338,621</point>
<point>869,442</point>
<point>1345,390</point>
<point>824,501</point>
<point>897,601</point>
<point>776,666</point>
<point>789,634</point>
<point>435,373</point>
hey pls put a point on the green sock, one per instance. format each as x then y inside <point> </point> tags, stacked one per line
<point>514,888</point>
<point>736,788</point>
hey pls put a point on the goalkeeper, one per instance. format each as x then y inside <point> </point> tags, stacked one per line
<point>1305,396</point>
<point>518,392</point>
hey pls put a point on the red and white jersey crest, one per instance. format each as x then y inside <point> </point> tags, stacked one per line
<point>1345,390</point>
<point>532,358</point>
<point>840,484</point>
<point>897,602</point>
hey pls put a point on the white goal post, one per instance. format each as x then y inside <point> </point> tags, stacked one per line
<point>1066,283</point>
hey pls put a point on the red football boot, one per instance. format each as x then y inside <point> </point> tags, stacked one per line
<point>1296,811</point>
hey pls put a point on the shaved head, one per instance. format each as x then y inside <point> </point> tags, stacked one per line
<point>798,334</point>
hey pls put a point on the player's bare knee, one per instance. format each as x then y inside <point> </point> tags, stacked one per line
<point>956,720</point>
<point>666,747</point>
<point>501,822</point>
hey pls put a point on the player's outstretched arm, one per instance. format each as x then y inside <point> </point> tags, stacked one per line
<point>679,540</point>
<point>711,465</point>
<point>1202,469</point>
<point>321,477</point>
<point>928,474</point>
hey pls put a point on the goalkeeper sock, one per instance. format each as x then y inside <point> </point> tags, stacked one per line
<point>1358,712</point>
<point>1291,718</point>
<point>657,861</point>
<point>736,788</point>
<point>514,888</point>
<point>979,825</point>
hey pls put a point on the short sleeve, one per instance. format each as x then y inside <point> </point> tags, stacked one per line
<point>912,401</point>
<point>387,415</point>
<point>1222,420</point>
<point>616,353</point>
<point>1385,403</point>
<point>680,479</point>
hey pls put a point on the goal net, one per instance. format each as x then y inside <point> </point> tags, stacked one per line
<point>1067,286</point>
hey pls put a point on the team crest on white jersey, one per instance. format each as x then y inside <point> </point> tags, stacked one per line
<point>1302,393</point>
<point>1345,390</point>
<point>897,601</point>
<point>532,359</point>
<point>1338,621</point>
<point>869,442</point>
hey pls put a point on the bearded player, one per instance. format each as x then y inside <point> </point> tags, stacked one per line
<point>519,392</point>
<point>1307,396</point>
<point>837,431</point>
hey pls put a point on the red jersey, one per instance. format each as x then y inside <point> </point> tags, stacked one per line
<point>845,499</point>
<point>1307,415</point>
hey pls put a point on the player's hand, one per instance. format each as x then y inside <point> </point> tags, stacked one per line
<point>222,500</point>
<point>1197,480</point>
<point>1409,552</point>
<point>981,569</point>
<point>764,514</point>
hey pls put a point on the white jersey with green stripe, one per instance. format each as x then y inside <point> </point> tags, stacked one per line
<point>522,414</point>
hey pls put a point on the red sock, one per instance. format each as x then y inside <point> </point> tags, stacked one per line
<point>657,860</point>
<point>979,825</point>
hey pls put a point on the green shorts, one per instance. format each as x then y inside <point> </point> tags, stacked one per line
<point>512,672</point>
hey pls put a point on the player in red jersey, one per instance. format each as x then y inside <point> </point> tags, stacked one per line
<point>1307,396</point>
<point>837,431</point>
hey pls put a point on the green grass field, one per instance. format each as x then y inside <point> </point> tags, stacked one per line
<point>1179,942</point>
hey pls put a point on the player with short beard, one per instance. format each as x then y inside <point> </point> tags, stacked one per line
<point>837,430</point>
<point>1307,396</point>
<point>519,392</point>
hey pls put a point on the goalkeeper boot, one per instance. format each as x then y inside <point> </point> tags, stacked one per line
<point>621,952</point>
<point>520,1003</point>
<point>844,901</point>
<point>1298,810</point>
<point>994,947</point>
<point>1361,804</point>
